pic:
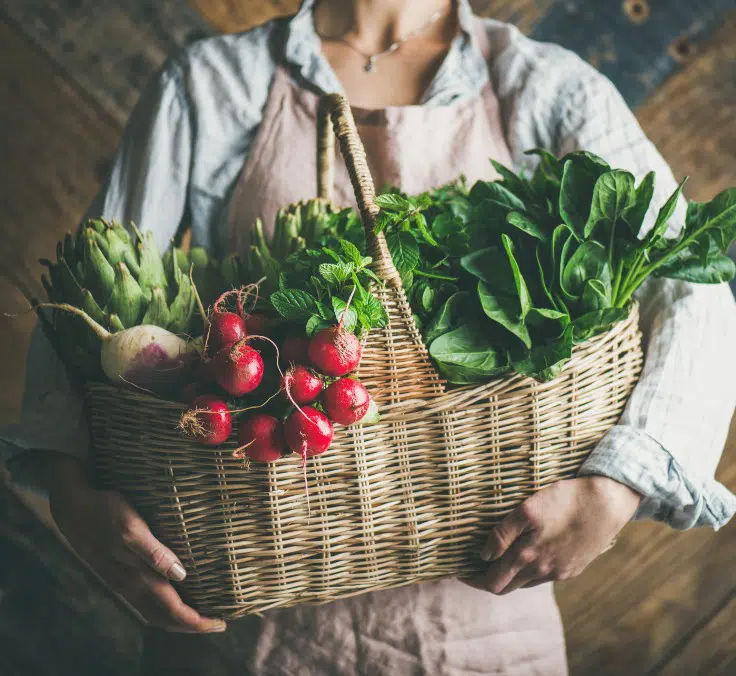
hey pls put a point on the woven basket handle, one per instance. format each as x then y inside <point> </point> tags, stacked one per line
<point>334,112</point>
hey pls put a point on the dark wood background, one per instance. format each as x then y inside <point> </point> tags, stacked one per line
<point>70,72</point>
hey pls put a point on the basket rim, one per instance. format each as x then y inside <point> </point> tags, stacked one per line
<point>580,352</point>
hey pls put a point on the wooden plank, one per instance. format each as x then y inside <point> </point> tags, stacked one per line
<point>233,16</point>
<point>711,651</point>
<point>53,146</point>
<point>638,51</point>
<point>110,47</point>
<point>648,592</point>
<point>691,117</point>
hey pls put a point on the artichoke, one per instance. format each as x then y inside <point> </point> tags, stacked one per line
<point>121,280</point>
<point>311,223</point>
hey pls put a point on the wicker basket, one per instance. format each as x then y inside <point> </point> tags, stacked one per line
<point>390,504</point>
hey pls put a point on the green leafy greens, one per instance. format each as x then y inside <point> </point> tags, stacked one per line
<point>510,274</point>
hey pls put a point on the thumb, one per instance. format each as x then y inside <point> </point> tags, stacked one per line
<point>504,534</point>
<point>139,540</point>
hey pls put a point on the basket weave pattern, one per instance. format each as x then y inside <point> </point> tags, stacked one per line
<point>407,499</point>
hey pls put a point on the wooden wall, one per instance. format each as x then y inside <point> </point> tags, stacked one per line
<point>70,72</point>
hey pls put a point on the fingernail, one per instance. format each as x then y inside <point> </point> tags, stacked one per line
<point>485,555</point>
<point>177,572</point>
<point>217,627</point>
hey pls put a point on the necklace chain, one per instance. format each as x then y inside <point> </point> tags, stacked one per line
<point>372,59</point>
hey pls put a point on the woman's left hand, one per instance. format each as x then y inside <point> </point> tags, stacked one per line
<point>555,534</point>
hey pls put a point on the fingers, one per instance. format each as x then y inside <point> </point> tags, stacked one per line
<point>156,600</point>
<point>161,605</point>
<point>504,534</point>
<point>138,538</point>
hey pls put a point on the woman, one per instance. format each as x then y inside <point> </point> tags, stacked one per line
<point>227,133</point>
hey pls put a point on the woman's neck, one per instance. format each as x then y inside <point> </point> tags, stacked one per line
<point>374,25</point>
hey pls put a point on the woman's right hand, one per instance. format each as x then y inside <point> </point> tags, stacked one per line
<point>110,535</point>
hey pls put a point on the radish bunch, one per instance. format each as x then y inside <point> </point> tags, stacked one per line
<point>313,391</point>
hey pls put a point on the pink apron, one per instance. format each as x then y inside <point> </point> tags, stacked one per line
<point>433,628</point>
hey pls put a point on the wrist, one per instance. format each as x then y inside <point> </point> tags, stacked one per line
<point>617,497</point>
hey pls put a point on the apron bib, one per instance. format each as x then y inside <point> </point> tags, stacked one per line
<point>431,628</point>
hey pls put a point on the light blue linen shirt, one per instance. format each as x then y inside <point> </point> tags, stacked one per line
<point>189,137</point>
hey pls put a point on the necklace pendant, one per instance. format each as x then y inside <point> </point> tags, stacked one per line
<point>370,66</point>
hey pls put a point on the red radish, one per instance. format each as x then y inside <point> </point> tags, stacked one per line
<point>346,401</point>
<point>294,350</point>
<point>256,323</point>
<point>308,432</point>
<point>226,329</point>
<point>238,369</point>
<point>262,438</point>
<point>301,385</point>
<point>145,356</point>
<point>208,421</point>
<point>335,351</point>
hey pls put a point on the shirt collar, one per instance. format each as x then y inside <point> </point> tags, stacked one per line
<point>463,72</point>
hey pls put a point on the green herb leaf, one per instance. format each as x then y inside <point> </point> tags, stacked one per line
<point>404,251</point>
<point>294,304</point>
<point>316,323</point>
<point>336,273</point>
<point>393,202</point>
<point>453,312</point>
<point>351,316</point>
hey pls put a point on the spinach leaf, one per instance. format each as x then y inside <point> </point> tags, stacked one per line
<point>522,291</point>
<point>494,197</point>
<point>526,225</point>
<point>635,216</point>
<point>456,309</point>
<point>590,324</point>
<point>545,362</point>
<point>614,196</point>
<point>579,176</point>
<point>505,310</point>
<point>664,215</point>
<point>590,261</point>
<point>467,355</point>
<point>491,265</point>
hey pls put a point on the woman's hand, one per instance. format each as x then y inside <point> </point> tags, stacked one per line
<point>108,533</point>
<point>555,534</point>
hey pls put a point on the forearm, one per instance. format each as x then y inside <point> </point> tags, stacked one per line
<point>670,438</point>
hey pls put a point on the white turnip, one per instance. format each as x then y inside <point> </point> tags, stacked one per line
<point>145,356</point>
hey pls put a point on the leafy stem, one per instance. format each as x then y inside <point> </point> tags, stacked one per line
<point>432,275</point>
<point>638,276</point>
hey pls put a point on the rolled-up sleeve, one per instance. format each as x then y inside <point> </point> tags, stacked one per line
<point>671,435</point>
<point>147,184</point>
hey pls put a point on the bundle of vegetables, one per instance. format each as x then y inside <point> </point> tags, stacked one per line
<point>293,411</point>
<point>119,307</point>
<point>509,275</point>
